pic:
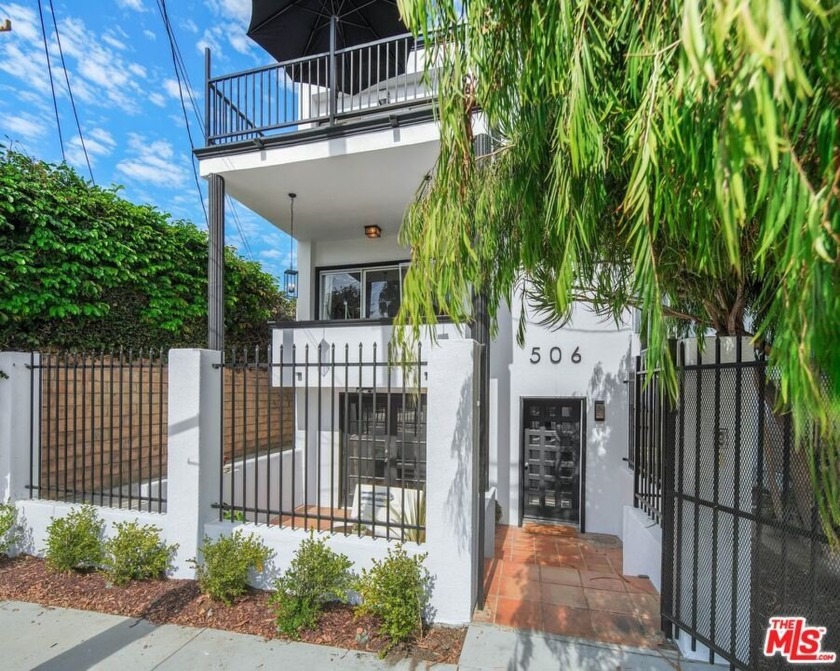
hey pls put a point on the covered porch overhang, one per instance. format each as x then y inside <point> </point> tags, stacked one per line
<point>342,183</point>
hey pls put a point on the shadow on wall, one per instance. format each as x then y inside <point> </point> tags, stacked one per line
<point>455,510</point>
<point>607,442</point>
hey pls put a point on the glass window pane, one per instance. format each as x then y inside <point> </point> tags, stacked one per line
<point>341,295</point>
<point>382,293</point>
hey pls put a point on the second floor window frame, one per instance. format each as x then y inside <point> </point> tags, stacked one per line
<point>362,270</point>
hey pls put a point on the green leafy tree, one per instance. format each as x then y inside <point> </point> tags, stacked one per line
<point>82,267</point>
<point>682,157</point>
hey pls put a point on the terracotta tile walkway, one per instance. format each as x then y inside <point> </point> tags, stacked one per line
<point>552,579</point>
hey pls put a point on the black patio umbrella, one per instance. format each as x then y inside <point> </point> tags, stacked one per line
<point>290,29</point>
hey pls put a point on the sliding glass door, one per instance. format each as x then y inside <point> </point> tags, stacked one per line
<point>361,293</point>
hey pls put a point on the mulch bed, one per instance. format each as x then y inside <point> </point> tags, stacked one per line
<point>180,602</point>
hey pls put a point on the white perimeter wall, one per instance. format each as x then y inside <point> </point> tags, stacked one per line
<point>194,481</point>
<point>606,361</point>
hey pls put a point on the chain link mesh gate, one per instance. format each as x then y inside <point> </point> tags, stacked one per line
<point>742,540</point>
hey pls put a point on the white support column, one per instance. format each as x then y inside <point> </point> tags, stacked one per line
<point>451,477</point>
<point>19,419</point>
<point>195,434</point>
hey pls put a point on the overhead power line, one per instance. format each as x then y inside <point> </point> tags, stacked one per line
<point>240,229</point>
<point>182,77</point>
<point>52,84</point>
<point>70,92</point>
<point>164,15</point>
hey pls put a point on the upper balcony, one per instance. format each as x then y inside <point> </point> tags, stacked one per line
<point>352,132</point>
<point>379,84</point>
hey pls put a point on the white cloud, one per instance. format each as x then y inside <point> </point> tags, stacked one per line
<point>98,71</point>
<point>98,143</point>
<point>25,22</point>
<point>103,136</point>
<point>150,35</point>
<point>30,66</point>
<point>113,78</point>
<point>273,255</point>
<point>154,162</point>
<point>209,40</point>
<point>136,5</point>
<point>137,70</point>
<point>237,10</point>
<point>157,99</point>
<point>235,16</point>
<point>190,26</point>
<point>25,126</point>
<point>114,42</point>
<point>171,88</point>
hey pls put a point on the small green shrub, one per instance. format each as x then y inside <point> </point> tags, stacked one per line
<point>137,552</point>
<point>316,576</point>
<point>396,590</point>
<point>225,563</point>
<point>8,527</point>
<point>75,541</point>
<point>234,516</point>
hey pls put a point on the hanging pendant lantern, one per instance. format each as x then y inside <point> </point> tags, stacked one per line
<point>290,277</point>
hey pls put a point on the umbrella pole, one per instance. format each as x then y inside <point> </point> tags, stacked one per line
<point>333,93</point>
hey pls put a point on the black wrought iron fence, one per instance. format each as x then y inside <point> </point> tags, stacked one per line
<point>99,428</point>
<point>650,414</point>
<point>346,450</point>
<point>742,540</point>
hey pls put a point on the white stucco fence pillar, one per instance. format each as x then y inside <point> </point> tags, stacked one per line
<point>451,478</point>
<point>18,418</point>
<point>195,433</point>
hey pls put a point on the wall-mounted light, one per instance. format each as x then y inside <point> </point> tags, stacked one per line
<point>373,231</point>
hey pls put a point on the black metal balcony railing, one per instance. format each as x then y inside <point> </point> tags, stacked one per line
<point>376,78</point>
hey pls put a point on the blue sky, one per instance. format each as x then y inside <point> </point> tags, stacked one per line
<point>120,69</point>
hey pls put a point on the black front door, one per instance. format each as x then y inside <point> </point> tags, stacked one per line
<point>551,459</point>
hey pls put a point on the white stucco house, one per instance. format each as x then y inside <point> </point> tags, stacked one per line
<point>362,170</point>
<point>329,430</point>
<point>336,171</point>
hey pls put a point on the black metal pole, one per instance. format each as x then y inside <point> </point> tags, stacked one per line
<point>216,264</point>
<point>481,326</point>
<point>207,96</point>
<point>333,92</point>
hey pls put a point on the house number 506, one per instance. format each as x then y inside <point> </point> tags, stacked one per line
<point>555,355</point>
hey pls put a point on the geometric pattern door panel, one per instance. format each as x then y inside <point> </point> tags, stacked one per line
<point>551,464</point>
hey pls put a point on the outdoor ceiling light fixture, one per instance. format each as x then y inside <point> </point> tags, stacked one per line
<point>290,285</point>
<point>373,231</point>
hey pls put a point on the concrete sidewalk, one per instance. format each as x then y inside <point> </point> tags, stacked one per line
<point>61,639</point>
<point>492,648</point>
